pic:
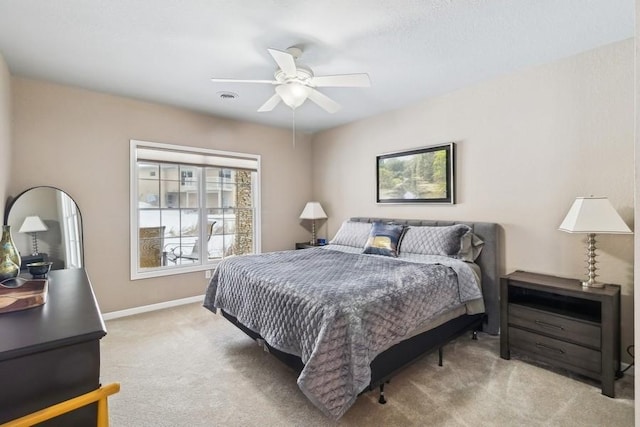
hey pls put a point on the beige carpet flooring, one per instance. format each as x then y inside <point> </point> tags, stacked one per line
<point>185,366</point>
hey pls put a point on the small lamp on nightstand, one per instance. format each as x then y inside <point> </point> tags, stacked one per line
<point>313,211</point>
<point>33,224</point>
<point>591,215</point>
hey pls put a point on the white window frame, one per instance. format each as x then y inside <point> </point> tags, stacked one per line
<point>72,241</point>
<point>175,150</point>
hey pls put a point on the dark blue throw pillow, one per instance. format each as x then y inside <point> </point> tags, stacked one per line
<point>384,239</point>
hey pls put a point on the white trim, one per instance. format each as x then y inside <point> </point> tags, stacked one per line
<point>152,307</point>
<point>135,143</point>
<point>133,203</point>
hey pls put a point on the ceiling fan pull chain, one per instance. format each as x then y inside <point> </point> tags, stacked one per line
<point>293,115</point>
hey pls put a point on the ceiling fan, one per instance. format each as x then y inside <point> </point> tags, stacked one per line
<point>295,82</point>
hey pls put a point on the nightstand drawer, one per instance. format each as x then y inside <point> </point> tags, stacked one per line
<point>570,355</point>
<point>580,332</point>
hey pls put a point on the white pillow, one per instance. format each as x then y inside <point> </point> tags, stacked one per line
<point>353,234</point>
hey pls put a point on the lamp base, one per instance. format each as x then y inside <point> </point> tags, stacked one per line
<point>591,264</point>
<point>313,240</point>
<point>34,240</point>
<point>594,284</point>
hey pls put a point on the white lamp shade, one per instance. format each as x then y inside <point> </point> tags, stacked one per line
<point>593,215</point>
<point>32,224</point>
<point>313,210</point>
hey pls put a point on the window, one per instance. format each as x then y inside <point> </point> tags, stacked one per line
<point>190,208</point>
<point>72,241</point>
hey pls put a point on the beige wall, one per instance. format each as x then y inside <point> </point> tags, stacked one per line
<point>78,141</point>
<point>5,132</point>
<point>637,200</point>
<point>528,143</point>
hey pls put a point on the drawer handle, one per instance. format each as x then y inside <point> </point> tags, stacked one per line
<point>548,325</point>
<point>545,347</point>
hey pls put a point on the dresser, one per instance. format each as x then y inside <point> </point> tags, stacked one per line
<point>556,321</point>
<point>51,353</point>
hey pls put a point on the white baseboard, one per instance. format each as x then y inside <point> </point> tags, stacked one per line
<point>152,307</point>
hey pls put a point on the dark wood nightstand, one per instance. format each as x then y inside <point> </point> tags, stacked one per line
<point>28,259</point>
<point>556,321</point>
<point>305,245</point>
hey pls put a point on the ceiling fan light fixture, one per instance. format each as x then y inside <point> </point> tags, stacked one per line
<point>293,94</point>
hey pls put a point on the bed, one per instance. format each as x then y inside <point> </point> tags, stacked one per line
<point>348,321</point>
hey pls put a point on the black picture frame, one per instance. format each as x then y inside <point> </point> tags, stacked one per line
<point>421,175</point>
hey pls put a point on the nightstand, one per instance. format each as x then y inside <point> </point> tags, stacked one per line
<point>556,321</point>
<point>28,259</point>
<point>305,245</point>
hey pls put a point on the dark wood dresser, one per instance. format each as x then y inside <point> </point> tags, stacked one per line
<point>51,353</point>
<point>556,321</point>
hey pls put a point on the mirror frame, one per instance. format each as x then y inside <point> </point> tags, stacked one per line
<point>11,201</point>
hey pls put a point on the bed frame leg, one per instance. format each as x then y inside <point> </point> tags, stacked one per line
<point>440,356</point>
<point>381,399</point>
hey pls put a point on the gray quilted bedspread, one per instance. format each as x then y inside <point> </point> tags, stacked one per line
<point>336,311</point>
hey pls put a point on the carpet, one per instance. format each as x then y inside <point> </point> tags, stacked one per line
<point>185,366</point>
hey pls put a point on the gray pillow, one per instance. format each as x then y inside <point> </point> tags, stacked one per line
<point>352,234</point>
<point>426,240</point>
<point>470,248</point>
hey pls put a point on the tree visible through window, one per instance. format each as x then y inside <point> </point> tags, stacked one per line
<point>193,211</point>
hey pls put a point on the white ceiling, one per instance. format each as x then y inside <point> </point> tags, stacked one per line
<point>167,50</point>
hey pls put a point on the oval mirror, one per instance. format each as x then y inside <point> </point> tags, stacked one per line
<point>46,226</point>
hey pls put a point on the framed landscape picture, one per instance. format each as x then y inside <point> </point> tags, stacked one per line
<point>423,175</point>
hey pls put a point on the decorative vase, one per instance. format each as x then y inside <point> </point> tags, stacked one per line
<point>7,246</point>
<point>8,268</point>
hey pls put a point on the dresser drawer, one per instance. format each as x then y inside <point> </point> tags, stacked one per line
<point>580,332</point>
<point>570,355</point>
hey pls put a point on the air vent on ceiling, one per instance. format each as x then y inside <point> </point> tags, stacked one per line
<point>227,96</point>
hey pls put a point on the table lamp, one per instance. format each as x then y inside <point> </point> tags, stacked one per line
<point>313,211</point>
<point>33,224</point>
<point>591,215</point>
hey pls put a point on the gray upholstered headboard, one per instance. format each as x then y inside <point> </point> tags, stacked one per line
<point>488,261</point>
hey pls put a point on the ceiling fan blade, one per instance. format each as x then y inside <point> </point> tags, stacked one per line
<point>323,101</point>
<point>270,104</point>
<point>242,81</point>
<point>285,61</point>
<point>342,80</point>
